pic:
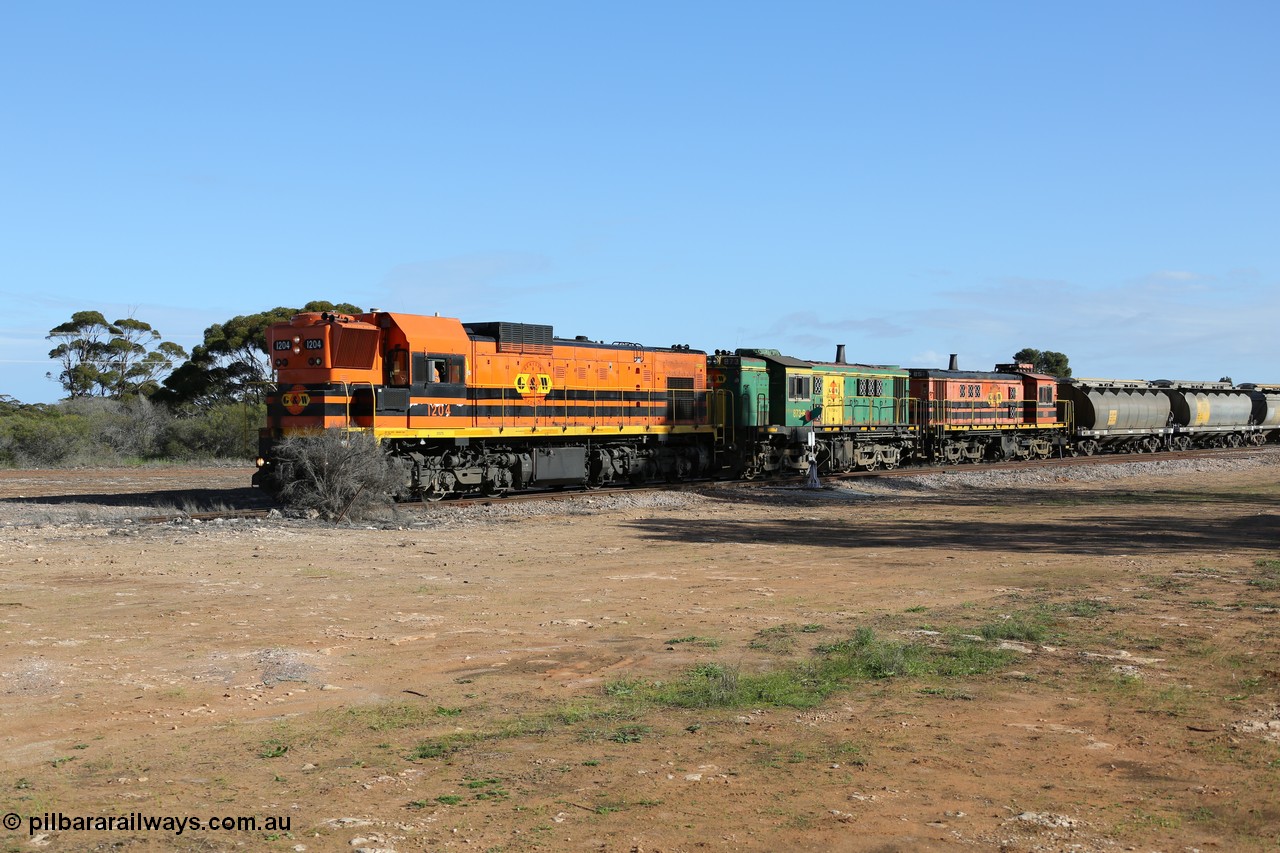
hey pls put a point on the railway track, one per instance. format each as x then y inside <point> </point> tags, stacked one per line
<point>1041,464</point>
<point>574,493</point>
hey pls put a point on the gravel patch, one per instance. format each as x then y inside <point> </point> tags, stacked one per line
<point>584,505</point>
<point>978,478</point>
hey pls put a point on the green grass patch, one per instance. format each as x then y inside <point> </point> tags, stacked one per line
<point>623,687</point>
<point>273,748</point>
<point>831,668</point>
<point>387,716</point>
<point>701,642</point>
<point>441,747</point>
<point>630,734</point>
<point>781,639</point>
<point>1015,627</point>
<point>1168,584</point>
<point>863,657</point>
<point>562,717</point>
<point>1085,608</point>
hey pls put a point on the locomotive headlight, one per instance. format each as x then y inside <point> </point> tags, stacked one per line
<point>259,462</point>
<point>297,350</point>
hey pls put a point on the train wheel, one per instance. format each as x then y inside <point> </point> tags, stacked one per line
<point>1088,447</point>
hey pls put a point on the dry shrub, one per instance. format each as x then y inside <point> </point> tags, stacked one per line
<point>338,474</point>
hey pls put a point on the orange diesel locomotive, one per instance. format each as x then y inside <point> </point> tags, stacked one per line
<point>489,407</point>
<point>971,416</point>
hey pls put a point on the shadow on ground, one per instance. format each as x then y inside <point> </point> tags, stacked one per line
<point>192,500</point>
<point>1250,523</point>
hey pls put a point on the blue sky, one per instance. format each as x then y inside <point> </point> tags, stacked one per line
<point>910,179</point>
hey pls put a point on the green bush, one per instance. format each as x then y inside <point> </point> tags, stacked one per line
<point>44,436</point>
<point>225,431</point>
<point>99,431</point>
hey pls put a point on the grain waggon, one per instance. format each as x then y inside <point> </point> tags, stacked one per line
<point>1128,415</point>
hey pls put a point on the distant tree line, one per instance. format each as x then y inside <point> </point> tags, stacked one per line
<point>133,396</point>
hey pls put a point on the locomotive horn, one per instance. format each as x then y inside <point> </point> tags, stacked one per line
<point>839,353</point>
<point>955,363</point>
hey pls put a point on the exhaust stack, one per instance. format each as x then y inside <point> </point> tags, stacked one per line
<point>840,354</point>
<point>955,362</point>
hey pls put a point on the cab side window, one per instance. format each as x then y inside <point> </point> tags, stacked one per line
<point>397,362</point>
<point>434,369</point>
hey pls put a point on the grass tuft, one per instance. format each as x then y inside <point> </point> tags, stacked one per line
<point>1015,627</point>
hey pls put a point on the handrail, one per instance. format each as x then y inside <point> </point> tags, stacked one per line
<point>348,391</point>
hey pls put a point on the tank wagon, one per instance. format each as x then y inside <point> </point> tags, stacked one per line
<point>489,407</point>
<point>774,413</point>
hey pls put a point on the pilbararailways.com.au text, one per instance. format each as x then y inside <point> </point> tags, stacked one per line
<point>139,822</point>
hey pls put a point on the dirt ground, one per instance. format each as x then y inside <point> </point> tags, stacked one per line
<point>488,678</point>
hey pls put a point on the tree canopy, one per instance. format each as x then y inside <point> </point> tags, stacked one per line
<point>232,364</point>
<point>1046,361</point>
<point>117,360</point>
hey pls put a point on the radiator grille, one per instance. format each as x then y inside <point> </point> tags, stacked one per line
<point>355,347</point>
